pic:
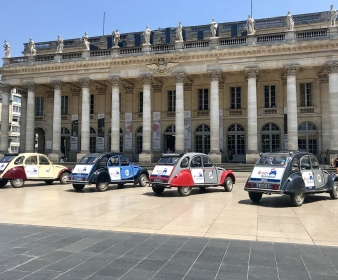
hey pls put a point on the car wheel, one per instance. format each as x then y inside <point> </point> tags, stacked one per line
<point>17,183</point>
<point>143,180</point>
<point>121,186</point>
<point>297,199</point>
<point>64,177</point>
<point>255,196</point>
<point>203,189</point>
<point>102,186</point>
<point>334,191</point>
<point>158,190</point>
<point>3,183</point>
<point>78,187</point>
<point>184,191</point>
<point>228,184</point>
<point>49,182</point>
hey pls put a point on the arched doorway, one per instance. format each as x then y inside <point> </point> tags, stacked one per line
<point>92,140</point>
<point>39,140</point>
<point>169,138</point>
<point>307,137</point>
<point>236,142</point>
<point>65,141</point>
<point>109,140</point>
<point>202,139</point>
<point>270,138</point>
<point>139,141</point>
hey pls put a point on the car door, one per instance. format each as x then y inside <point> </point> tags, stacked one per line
<point>197,170</point>
<point>114,168</point>
<point>126,169</point>
<point>318,175</point>
<point>31,167</point>
<point>307,174</point>
<point>209,171</point>
<point>46,170</point>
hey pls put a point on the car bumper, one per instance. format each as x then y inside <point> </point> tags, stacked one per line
<point>157,184</point>
<point>270,191</point>
<point>78,182</point>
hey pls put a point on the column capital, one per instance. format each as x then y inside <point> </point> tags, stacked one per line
<point>5,88</point>
<point>179,77</point>
<point>114,80</point>
<point>30,85</point>
<point>214,74</point>
<point>251,72</point>
<point>50,93</point>
<point>332,67</point>
<point>85,82</point>
<point>323,78</point>
<point>24,94</point>
<point>128,89</point>
<point>57,83</point>
<point>291,69</point>
<point>146,79</point>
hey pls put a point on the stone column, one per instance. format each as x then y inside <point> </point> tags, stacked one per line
<point>214,153</point>
<point>30,119</point>
<point>146,155</point>
<point>23,122</point>
<point>6,91</point>
<point>85,117</point>
<point>56,146</point>
<point>291,93</point>
<point>252,152</point>
<point>115,113</point>
<point>179,117</point>
<point>332,69</point>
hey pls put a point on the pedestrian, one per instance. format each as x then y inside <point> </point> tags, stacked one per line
<point>230,154</point>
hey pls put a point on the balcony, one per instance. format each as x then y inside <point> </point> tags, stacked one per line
<point>306,110</point>
<point>39,118</point>
<point>235,112</point>
<point>270,111</point>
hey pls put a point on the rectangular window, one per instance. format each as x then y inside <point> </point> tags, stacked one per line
<point>91,104</point>
<point>64,105</point>
<point>306,94</point>
<point>39,106</point>
<point>16,99</point>
<point>140,102</point>
<point>172,100</point>
<point>16,109</point>
<point>203,99</point>
<point>15,119</point>
<point>15,128</point>
<point>235,95</point>
<point>269,96</point>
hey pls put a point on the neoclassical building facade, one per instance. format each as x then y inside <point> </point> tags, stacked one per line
<point>272,89</point>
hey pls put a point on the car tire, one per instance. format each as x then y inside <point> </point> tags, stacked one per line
<point>3,183</point>
<point>228,184</point>
<point>78,187</point>
<point>49,182</point>
<point>255,196</point>
<point>297,199</point>
<point>203,189</point>
<point>142,181</point>
<point>120,186</point>
<point>158,190</point>
<point>64,177</point>
<point>184,191</point>
<point>334,191</point>
<point>17,183</point>
<point>102,186</point>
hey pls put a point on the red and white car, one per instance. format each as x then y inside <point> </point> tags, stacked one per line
<point>186,171</point>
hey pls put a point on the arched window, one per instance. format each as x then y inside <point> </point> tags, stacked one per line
<point>307,137</point>
<point>202,139</point>
<point>236,139</point>
<point>92,142</point>
<point>121,140</point>
<point>65,131</point>
<point>270,138</point>
<point>139,140</point>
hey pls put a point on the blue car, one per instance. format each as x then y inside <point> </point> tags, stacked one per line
<point>103,169</point>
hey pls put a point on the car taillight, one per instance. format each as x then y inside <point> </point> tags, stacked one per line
<point>249,185</point>
<point>275,187</point>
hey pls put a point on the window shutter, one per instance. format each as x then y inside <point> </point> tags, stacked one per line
<point>234,30</point>
<point>200,35</point>
<point>137,40</point>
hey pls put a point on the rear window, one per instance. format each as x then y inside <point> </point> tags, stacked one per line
<point>272,160</point>
<point>7,158</point>
<point>168,160</point>
<point>89,160</point>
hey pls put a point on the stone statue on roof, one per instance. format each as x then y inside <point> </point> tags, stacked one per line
<point>213,28</point>
<point>179,29</point>
<point>7,50</point>
<point>250,26</point>
<point>116,35</point>
<point>85,41</point>
<point>31,47</point>
<point>332,16</point>
<point>59,47</point>
<point>146,35</point>
<point>290,24</point>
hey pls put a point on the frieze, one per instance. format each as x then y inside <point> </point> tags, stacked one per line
<point>157,87</point>
<point>332,67</point>
<point>75,91</point>
<point>161,67</point>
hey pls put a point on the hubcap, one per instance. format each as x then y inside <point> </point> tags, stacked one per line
<point>185,189</point>
<point>299,197</point>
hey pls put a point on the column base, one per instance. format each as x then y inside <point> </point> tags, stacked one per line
<point>81,154</point>
<point>146,157</point>
<point>55,156</point>
<point>252,156</point>
<point>179,45</point>
<point>215,157</point>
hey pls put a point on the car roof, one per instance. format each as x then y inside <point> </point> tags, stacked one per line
<point>286,153</point>
<point>102,154</point>
<point>182,154</point>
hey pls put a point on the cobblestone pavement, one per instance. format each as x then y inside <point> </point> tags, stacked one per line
<point>37,252</point>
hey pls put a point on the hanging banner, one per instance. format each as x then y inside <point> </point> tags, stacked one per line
<point>187,130</point>
<point>75,132</point>
<point>221,129</point>
<point>128,140</point>
<point>100,132</point>
<point>156,131</point>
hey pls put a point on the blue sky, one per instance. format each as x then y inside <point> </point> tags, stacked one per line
<point>43,20</point>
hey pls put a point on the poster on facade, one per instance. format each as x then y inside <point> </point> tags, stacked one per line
<point>156,131</point>
<point>187,130</point>
<point>221,129</point>
<point>100,132</point>
<point>128,128</point>
<point>75,132</point>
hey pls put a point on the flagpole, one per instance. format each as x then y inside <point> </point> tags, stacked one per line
<point>104,17</point>
<point>251,8</point>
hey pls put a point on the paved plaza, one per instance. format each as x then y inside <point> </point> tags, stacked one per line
<point>53,232</point>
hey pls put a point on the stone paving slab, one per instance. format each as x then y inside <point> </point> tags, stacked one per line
<point>128,255</point>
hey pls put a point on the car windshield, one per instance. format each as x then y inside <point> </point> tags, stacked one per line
<point>7,158</point>
<point>273,160</point>
<point>169,160</point>
<point>90,160</point>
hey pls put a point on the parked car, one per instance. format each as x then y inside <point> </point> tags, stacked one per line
<point>292,173</point>
<point>186,171</point>
<point>103,169</point>
<point>18,168</point>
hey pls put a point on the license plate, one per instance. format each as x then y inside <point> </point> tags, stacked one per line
<point>264,186</point>
<point>157,181</point>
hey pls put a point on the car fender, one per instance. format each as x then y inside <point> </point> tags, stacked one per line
<point>182,178</point>
<point>330,181</point>
<point>100,175</point>
<point>63,171</point>
<point>17,172</point>
<point>139,173</point>
<point>294,184</point>
<point>225,174</point>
